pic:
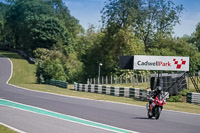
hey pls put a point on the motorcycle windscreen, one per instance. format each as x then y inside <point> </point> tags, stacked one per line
<point>160,96</point>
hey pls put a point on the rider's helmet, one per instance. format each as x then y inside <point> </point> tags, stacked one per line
<point>158,89</point>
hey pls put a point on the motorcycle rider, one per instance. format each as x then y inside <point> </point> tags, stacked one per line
<point>154,108</point>
<point>154,93</point>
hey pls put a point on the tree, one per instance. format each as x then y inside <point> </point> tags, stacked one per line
<point>41,23</point>
<point>3,11</point>
<point>71,24</point>
<point>196,37</point>
<point>176,47</point>
<point>107,50</point>
<point>73,68</point>
<point>90,49</point>
<point>50,64</point>
<point>51,69</point>
<point>47,28</point>
<point>61,67</point>
<point>147,18</point>
<point>86,40</point>
<point>157,17</point>
<point>46,33</point>
<point>120,13</point>
<point>123,42</point>
<point>22,16</point>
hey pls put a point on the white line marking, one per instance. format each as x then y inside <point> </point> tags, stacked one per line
<point>128,131</point>
<point>12,128</point>
<point>11,70</point>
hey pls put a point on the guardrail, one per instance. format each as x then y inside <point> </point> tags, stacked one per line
<point>57,83</point>
<point>114,91</point>
<point>193,98</point>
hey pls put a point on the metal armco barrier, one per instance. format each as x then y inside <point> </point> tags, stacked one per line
<point>193,98</point>
<point>114,91</point>
<point>57,83</point>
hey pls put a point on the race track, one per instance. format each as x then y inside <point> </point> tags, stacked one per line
<point>118,115</point>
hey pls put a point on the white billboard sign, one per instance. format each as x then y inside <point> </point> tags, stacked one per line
<point>166,63</point>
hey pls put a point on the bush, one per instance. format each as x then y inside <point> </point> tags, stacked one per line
<point>179,98</point>
<point>51,69</point>
<point>183,92</point>
<point>53,64</point>
<point>174,99</point>
<point>73,68</point>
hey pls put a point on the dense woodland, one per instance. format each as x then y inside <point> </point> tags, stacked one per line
<point>64,50</point>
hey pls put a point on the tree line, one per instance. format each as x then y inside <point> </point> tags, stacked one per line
<point>65,51</point>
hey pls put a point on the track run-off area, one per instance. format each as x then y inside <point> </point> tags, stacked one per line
<point>33,111</point>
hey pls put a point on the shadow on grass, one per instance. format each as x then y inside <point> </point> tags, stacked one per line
<point>10,55</point>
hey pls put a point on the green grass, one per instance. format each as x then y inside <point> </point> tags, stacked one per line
<point>23,72</point>
<point>24,76</point>
<point>4,129</point>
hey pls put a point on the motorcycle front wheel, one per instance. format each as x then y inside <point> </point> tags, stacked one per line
<point>157,112</point>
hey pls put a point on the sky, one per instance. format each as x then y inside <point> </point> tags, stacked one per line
<point>88,12</point>
<point>189,18</point>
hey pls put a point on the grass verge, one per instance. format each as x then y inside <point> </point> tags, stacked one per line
<point>4,129</point>
<point>24,76</point>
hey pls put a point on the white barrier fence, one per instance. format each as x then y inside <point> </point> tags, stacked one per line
<point>114,91</point>
<point>193,98</point>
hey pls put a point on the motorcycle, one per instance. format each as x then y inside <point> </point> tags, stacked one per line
<point>154,109</point>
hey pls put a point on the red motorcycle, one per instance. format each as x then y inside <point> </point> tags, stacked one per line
<point>156,106</point>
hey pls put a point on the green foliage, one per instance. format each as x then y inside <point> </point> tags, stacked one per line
<point>196,37</point>
<point>157,17</point>
<point>174,99</point>
<point>87,40</point>
<point>49,64</point>
<point>183,92</point>
<point>47,28</point>
<point>52,69</point>
<point>3,11</point>
<point>53,64</point>
<point>67,52</point>
<point>40,24</point>
<point>90,51</point>
<point>147,18</point>
<point>178,98</point>
<point>120,13</point>
<point>20,19</point>
<point>74,68</point>
<point>43,54</point>
<point>122,42</point>
<point>176,47</point>
<point>71,24</point>
<point>46,33</point>
<point>106,48</point>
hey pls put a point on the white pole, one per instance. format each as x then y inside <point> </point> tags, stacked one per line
<point>100,64</point>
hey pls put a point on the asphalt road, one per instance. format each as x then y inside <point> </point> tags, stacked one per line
<point>35,123</point>
<point>119,115</point>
